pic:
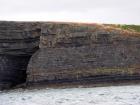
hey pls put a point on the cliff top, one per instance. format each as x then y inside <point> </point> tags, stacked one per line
<point>128,30</point>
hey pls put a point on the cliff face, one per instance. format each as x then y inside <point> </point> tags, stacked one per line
<point>75,52</point>
<point>18,41</point>
<point>66,52</point>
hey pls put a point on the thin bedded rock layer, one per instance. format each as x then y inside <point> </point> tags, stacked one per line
<point>75,52</point>
<point>19,38</point>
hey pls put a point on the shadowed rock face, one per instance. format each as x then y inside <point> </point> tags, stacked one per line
<point>18,41</point>
<point>12,70</point>
<point>70,52</point>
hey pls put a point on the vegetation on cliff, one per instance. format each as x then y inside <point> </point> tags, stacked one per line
<point>130,27</point>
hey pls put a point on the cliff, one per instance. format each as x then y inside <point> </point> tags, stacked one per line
<point>48,52</point>
<point>84,52</point>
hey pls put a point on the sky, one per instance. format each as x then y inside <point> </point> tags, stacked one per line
<point>91,11</point>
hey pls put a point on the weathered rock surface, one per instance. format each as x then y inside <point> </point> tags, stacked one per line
<point>73,52</point>
<point>18,41</point>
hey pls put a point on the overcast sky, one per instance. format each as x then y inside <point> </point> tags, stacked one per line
<point>94,11</point>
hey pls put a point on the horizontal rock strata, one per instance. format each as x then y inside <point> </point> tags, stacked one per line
<point>17,38</point>
<point>66,52</point>
<point>73,52</point>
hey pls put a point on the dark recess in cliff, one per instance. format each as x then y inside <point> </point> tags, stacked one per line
<point>18,41</point>
<point>13,70</point>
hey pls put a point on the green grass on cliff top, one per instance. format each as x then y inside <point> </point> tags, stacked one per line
<point>135,28</point>
<point>130,27</point>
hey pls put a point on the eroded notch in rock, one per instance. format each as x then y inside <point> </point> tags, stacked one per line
<point>12,70</point>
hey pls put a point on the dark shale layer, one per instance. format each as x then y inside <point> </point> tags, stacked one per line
<point>49,52</point>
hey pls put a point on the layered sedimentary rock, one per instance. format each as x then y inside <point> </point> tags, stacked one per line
<point>75,52</point>
<point>18,41</point>
<point>19,38</point>
<point>67,52</point>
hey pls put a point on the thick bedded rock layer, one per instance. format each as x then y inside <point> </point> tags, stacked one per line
<point>71,52</point>
<point>18,41</point>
